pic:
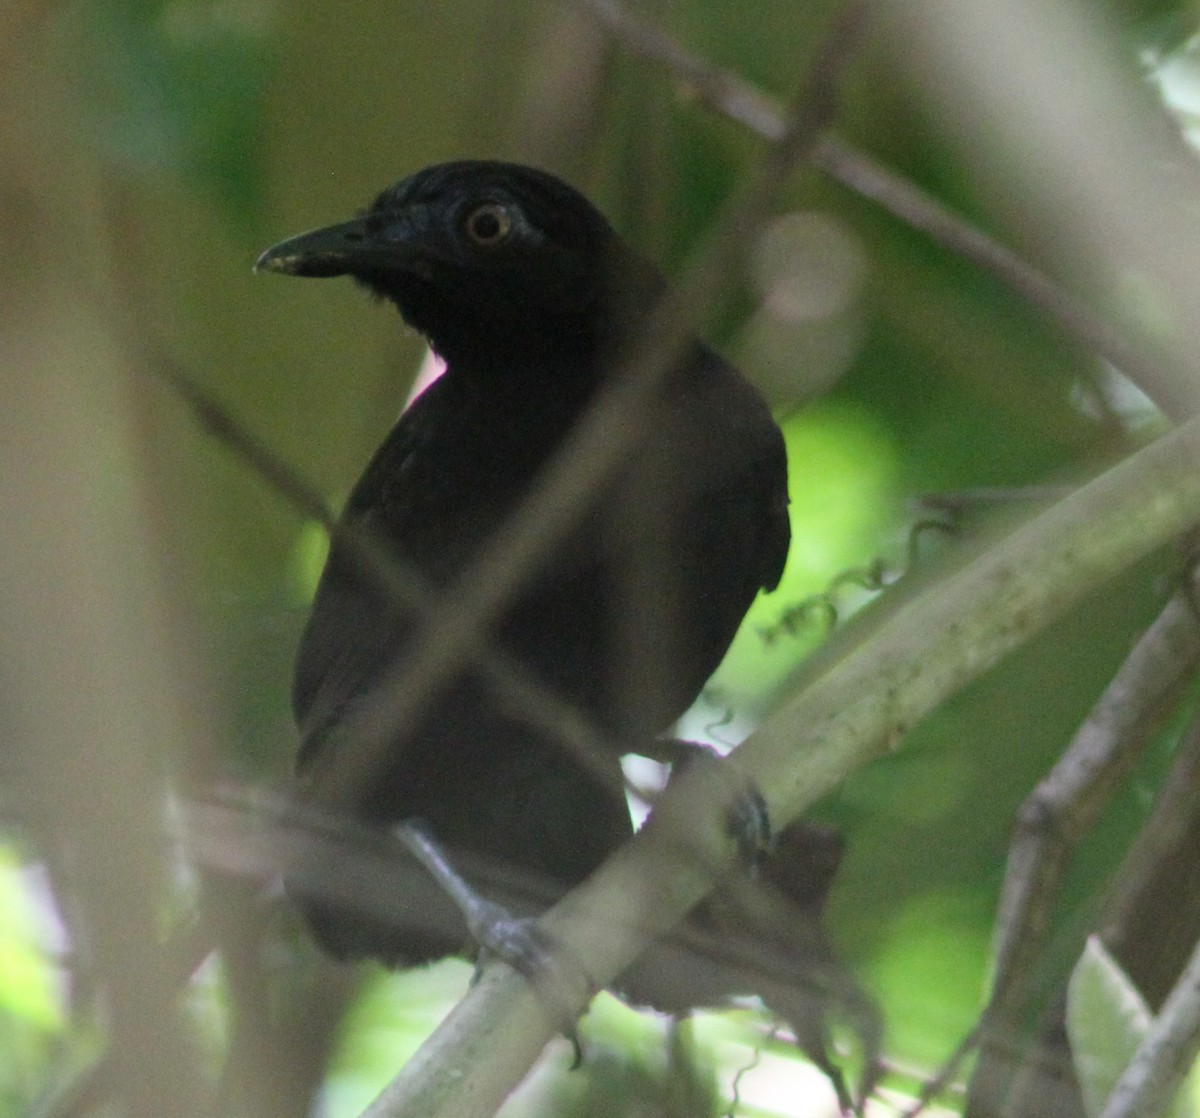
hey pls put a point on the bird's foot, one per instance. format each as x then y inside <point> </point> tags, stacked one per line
<point>520,942</point>
<point>749,825</point>
<point>747,822</point>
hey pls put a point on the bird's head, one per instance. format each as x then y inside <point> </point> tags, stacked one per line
<point>487,260</point>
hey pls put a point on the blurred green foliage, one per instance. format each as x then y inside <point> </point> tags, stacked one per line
<point>177,89</point>
<point>224,125</point>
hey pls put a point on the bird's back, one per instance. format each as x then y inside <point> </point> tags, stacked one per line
<point>628,616</point>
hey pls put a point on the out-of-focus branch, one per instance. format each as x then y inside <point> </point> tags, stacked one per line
<point>731,96</point>
<point>401,581</point>
<point>21,20</point>
<point>93,682</point>
<point>906,201</point>
<point>719,89</point>
<point>1082,154</point>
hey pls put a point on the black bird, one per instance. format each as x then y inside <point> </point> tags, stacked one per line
<point>534,302</point>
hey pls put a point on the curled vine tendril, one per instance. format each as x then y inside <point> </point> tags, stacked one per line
<point>824,611</point>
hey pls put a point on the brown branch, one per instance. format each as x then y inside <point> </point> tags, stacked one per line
<point>1143,922</point>
<point>94,684</point>
<point>718,89</point>
<point>1151,916</point>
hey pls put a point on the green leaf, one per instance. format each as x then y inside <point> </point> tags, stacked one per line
<point>1107,1019</point>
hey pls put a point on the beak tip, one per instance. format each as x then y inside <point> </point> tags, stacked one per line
<point>273,261</point>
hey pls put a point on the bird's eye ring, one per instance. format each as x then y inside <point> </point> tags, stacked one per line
<point>488,225</point>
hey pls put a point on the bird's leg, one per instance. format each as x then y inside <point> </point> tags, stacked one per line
<point>521,942</point>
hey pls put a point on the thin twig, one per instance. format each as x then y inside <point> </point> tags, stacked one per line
<point>718,89</point>
<point>945,1075</point>
<point>916,208</point>
<point>228,430</point>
